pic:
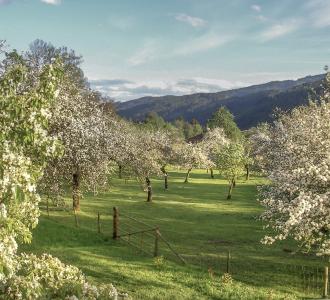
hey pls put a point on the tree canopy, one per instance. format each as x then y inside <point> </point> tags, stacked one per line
<point>26,100</point>
<point>222,118</point>
<point>295,151</point>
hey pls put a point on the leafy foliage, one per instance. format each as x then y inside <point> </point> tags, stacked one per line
<point>178,128</point>
<point>222,118</point>
<point>231,160</point>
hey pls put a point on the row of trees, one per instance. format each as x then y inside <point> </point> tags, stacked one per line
<point>179,127</point>
<point>220,146</point>
<point>93,138</point>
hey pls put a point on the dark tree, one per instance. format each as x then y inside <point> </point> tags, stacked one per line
<point>224,119</point>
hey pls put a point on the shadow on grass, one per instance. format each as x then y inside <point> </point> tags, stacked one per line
<point>189,216</point>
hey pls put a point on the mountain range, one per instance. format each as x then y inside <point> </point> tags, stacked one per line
<point>249,105</point>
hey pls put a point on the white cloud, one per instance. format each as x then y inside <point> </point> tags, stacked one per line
<point>261,18</point>
<point>192,21</point>
<point>152,49</point>
<point>124,90</point>
<point>143,55</point>
<point>279,30</point>
<point>256,7</point>
<point>52,2</point>
<point>319,11</point>
<point>202,43</point>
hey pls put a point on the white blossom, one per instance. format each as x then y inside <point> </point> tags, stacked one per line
<point>25,140</point>
<point>295,155</point>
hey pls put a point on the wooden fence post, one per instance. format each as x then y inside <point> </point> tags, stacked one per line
<point>115,223</point>
<point>228,262</point>
<point>326,282</point>
<point>98,223</point>
<point>156,250</point>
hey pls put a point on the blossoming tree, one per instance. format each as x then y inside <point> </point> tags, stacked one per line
<point>25,147</point>
<point>231,163</point>
<point>212,144</point>
<point>201,153</point>
<point>143,152</point>
<point>296,154</point>
<point>82,124</point>
<point>192,155</point>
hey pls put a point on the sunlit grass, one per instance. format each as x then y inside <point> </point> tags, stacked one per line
<point>200,224</point>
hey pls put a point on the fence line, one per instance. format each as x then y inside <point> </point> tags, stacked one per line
<point>154,232</point>
<point>309,280</point>
<point>136,220</point>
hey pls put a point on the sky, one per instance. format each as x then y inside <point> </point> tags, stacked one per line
<point>135,48</point>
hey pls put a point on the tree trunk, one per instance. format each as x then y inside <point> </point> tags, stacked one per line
<point>187,176</point>
<point>166,180</point>
<point>149,190</point>
<point>234,182</point>
<point>212,175</point>
<point>165,177</point>
<point>247,172</point>
<point>230,189</point>
<point>76,191</point>
<point>120,172</point>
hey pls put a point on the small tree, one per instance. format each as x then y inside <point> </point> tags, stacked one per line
<point>192,155</point>
<point>201,152</point>
<point>155,148</point>
<point>258,140</point>
<point>154,121</point>
<point>231,162</point>
<point>196,127</point>
<point>142,151</point>
<point>249,151</point>
<point>167,136</point>
<point>170,154</point>
<point>212,143</point>
<point>222,118</point>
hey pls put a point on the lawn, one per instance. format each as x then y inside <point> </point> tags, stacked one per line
<point>199,223</point>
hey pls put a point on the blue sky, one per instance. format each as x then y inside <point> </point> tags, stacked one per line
<point>133,48</point>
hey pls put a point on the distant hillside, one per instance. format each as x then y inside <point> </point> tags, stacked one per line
<point>250,105</point>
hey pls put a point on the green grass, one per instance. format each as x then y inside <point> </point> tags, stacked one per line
<point>199,223</point>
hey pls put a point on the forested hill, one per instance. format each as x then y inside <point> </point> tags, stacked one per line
<point>250,105</point>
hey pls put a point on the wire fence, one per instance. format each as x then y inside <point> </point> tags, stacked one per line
<point>146,238</point>
<point>217,258</point>
<point>306,280</point>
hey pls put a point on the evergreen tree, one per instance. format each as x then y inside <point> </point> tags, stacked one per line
<point>196,127</point>
<point>224,119</point>
<point>154,121</point>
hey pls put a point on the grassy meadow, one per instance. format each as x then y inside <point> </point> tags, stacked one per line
<point>198,222</point>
